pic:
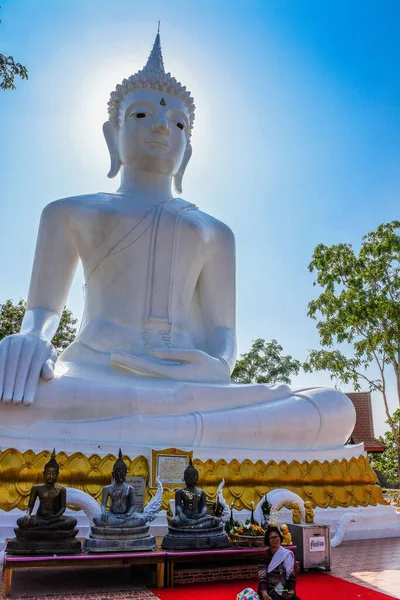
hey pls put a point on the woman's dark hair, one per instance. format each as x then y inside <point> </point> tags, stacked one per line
<point>270,530</point>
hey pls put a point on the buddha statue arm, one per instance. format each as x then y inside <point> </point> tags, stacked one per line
<point>104,499</point>
<point>31,503</point>
<point>217,299</point>
<point>179,511</point>
<point>27,355</point>
<point>203,504</point>
<point>131,502</point>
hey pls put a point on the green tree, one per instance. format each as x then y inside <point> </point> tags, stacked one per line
<point>11,316</point>
<point>359,307</point>
<point>9,69</point>
<point>388,462</point>
<point>264,363</point>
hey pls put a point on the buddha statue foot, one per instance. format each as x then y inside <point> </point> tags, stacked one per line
<point>190,538</point>
<point>44,542</point>
<point>124,539</point>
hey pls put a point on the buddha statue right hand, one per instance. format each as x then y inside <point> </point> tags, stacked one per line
<point>24,357</point>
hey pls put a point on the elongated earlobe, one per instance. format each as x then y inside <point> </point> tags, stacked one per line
<point>179,175</point>
<point>110,134</point>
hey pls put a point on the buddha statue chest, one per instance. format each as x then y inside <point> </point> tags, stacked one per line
<point>49,500</point>
<point>191,501</point>
<point>150,260</point>
<point>119,499</point>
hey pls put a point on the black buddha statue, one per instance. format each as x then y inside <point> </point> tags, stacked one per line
<point>121,496</point>
<point>192,527</point>
<point>49,530</point>
<point>119,528</point>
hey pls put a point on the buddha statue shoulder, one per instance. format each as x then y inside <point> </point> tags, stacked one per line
<point>121,499</point>
<point>157,341</point>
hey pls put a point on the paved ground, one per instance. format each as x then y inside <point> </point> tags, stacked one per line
<point>374,564</point>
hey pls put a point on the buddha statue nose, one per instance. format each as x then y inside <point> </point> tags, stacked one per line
<point>161,127</point>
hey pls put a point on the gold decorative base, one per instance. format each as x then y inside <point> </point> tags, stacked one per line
<point>339,483</point>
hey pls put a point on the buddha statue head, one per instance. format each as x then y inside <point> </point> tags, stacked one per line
<point>51,469</point>
<point>150,121</point>
<point>119,469</point>
<point>191,475</point>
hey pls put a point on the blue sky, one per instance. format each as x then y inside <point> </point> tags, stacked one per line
<point>296,139</point>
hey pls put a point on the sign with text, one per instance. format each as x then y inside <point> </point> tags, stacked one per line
<point>169,466</point>
<point>139,485</point>
<point>316,544</point>
<point>170,469</point>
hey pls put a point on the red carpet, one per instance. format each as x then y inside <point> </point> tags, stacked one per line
<point>310,586</point>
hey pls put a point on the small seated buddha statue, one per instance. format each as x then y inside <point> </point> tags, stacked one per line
<point>49,530</point>
<point>119,527</point>
<point>192,527</point>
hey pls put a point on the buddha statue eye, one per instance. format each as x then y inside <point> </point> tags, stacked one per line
<point>140,115</point>
<point>180,125</point>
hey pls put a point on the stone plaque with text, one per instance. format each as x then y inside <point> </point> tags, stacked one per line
<point>139,485</point>
<point>170,468</point>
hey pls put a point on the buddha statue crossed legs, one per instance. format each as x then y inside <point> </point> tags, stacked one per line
<point>157,341</point>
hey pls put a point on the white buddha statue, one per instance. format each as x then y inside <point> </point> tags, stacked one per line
<point>152,360</point>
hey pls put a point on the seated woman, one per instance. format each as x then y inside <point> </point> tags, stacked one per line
<point>276,576</point>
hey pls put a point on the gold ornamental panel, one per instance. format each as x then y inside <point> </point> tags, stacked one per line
<point>19,471</point>
<point>340,483</point>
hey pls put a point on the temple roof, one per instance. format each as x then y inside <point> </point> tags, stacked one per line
<point>364,428</point>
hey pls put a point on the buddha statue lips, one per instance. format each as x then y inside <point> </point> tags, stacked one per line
<point>157,341</point>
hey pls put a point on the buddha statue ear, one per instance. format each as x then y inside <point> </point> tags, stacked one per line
<point>111,135</point>
<point>181,171</point>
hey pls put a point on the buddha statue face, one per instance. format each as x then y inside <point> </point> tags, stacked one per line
<point>152,133</point>
<point>191,476</point>
<point>50,475</point>
<point>119,474</point>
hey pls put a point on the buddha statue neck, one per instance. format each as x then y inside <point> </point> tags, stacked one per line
<point>145,185</point>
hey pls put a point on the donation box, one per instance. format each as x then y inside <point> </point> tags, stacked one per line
<point>313,545</point>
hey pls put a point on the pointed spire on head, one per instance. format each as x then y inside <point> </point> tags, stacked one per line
<point>155,63</point>
<point>120,463</point>
<point>152,76</point>
<point>52,463</point>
